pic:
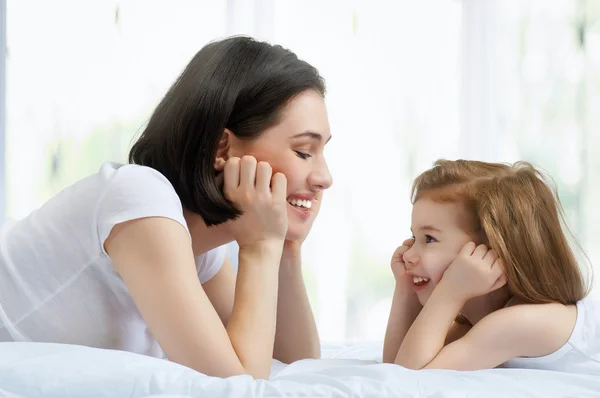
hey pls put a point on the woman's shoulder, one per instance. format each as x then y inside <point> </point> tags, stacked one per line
<point>113,172</point>
<point>133,192</point>
<point>137,184</point>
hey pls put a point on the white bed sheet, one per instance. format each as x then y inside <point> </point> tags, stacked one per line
<point>50,370</point>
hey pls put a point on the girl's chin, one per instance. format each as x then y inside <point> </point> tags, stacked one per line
<point>423,297</point>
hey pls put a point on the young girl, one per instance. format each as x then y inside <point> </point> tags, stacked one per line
<point>488,278</point>
<point>132,257</point>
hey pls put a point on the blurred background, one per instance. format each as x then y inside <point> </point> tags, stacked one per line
<point>409,82</point>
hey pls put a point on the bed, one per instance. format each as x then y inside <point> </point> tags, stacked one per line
<point>50,370</point>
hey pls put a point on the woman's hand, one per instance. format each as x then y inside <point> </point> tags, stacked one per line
<point>261,196</point>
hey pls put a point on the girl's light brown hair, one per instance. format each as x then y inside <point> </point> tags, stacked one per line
<point>516,212</point>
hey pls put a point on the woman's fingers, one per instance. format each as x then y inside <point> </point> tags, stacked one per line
<point>263,177</point>
<point>231,174</point>
<point>247,171</point>
<point>279,186</point>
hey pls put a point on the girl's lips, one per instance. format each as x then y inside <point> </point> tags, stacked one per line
<point>421,286</point>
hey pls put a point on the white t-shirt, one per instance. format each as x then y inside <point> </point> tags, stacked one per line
<point>581,354</point>
<point>57,284</point>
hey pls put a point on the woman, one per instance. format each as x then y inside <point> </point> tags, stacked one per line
<point>132,257</point>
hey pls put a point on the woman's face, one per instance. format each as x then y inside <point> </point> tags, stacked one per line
<point>295,148</point>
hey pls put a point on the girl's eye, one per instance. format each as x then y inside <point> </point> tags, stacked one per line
<point>302,155</point>
<point>430,239</point>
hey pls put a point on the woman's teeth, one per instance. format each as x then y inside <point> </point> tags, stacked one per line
<point>300,203</point>
<point>417,280</point>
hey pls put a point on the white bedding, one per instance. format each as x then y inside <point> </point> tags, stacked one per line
<point>48,370</point>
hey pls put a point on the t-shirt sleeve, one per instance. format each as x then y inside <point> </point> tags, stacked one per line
<point>209,263</point>
<point>134,192</point>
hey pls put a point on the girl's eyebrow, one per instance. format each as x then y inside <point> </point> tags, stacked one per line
<point>426,228</point>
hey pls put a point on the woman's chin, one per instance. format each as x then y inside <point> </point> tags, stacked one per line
<point>299,223</point>
<point>296,232</point>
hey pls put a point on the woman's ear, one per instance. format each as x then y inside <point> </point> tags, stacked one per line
<point>223,150</point>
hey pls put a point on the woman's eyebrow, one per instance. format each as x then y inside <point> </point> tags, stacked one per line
<point>311,134</point>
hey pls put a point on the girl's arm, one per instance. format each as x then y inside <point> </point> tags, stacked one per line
<point>475,271</point>
<point>296,334</point>
<point>405,305</point>
<point>524,330</point>
<point>427,335</point>
<point>405,309</point>
<point>532,330</point>
<point>457,331</point>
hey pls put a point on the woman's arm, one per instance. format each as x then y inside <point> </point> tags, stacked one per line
<point>220,290</point>
<point>296,334</point>
<point>296,337</point>
<point>154,257</point>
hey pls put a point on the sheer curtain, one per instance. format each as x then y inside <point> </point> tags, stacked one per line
<point>409,82</point>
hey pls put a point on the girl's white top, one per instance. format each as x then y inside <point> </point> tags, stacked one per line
<point>580,354</point>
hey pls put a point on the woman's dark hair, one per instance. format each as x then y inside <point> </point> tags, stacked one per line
<point>238,84</point>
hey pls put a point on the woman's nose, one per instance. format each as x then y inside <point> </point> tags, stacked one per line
<point>321,178</point>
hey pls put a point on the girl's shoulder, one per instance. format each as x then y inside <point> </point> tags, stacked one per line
<point>535,329</point>
<point>542,313</point>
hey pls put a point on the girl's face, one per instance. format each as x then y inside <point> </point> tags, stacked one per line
<point>439,233</point>
<point>295,148</point>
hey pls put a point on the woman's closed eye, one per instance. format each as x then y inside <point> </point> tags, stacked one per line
<point>303,155</point>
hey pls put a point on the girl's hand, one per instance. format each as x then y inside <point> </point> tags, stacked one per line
<point>476,271</point>
<point>399,267</point>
